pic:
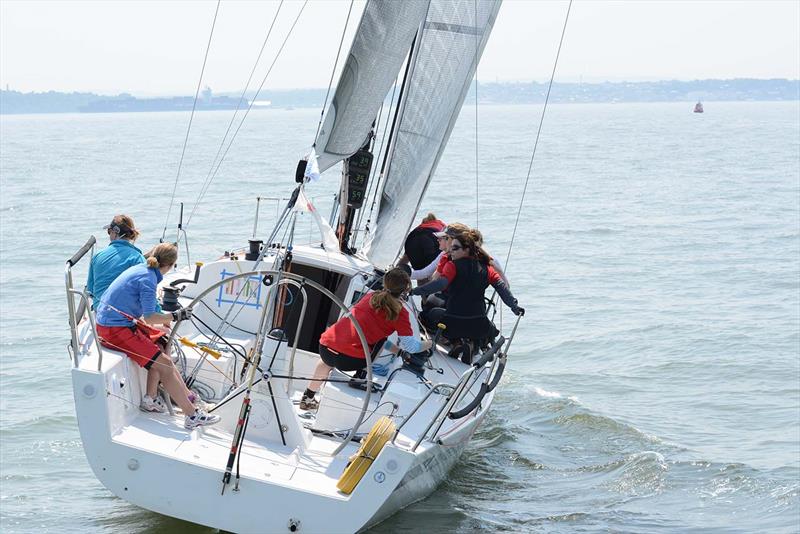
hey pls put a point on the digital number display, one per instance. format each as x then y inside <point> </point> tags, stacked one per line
<point>358,179</point>
<point>361,160</point>
<point>358,169</point>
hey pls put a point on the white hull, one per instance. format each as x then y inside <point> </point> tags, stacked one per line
<point>151,461</point>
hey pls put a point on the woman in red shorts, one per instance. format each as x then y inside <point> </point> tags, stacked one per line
<point>126,310</point>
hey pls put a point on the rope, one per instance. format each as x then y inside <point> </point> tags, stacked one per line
<point>207,183</point>
<point>333,72</point>
<point>538,132</point>
<point>244,92</point>
<point>191,118</point>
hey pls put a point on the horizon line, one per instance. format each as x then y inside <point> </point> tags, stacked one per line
<point>7,86</point>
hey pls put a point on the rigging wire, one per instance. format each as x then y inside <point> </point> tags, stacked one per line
<point>333,72</point>
<point>383,147</point>
<point>207,183</point>
<point>374,140</point>
<point>244,92</point>
<point>191,118</point>
<point>477,202</point>
<point>538,132</point>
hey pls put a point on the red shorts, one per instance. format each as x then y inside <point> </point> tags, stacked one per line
<point>141,343</point>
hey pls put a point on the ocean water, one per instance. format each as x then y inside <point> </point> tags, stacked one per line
<point>654,383</point>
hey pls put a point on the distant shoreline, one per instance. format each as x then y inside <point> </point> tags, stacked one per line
<point>741,89</point>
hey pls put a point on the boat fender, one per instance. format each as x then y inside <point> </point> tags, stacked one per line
<point>360,462</point>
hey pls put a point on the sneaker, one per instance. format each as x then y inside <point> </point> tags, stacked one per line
<point>308,405</point>
<point>200,418</point>
<point>195,399</point>
<point>150,404</point>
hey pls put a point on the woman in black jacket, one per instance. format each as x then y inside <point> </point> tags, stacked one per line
<point>466,278</point>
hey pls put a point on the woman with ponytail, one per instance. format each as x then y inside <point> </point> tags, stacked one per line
<point>110,262</point>
<point>379,314</point>
<point>124,316</point>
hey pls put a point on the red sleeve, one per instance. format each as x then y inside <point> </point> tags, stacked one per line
<point>443,260</point>
<point>449,271</point>
<point>403,324</point>
<point>494,277</point>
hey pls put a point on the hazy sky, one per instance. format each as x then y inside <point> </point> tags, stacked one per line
<point>157,47</point>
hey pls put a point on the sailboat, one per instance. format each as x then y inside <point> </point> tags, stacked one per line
<point>375,445</point>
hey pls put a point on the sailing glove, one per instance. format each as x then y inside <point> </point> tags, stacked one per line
<point>508,298</point>
<point>182,314</point>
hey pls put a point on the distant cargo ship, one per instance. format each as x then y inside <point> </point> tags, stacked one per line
<point>179,103</point>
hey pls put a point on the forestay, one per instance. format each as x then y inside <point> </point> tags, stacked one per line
<point>443,64</point>
<point>381,43</point>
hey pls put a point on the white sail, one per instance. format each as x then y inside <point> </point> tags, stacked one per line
<point>381,43</point>
<point>444,63</point>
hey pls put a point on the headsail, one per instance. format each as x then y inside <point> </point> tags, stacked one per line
<point>381,43</point>
<point>453,38</point>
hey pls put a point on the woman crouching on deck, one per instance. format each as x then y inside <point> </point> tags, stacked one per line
<point>379,314</point>
<point>126,310</point>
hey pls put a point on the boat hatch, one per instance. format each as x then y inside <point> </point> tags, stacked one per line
<point>320,311</point>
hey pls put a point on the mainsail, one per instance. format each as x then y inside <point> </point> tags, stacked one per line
<point>444,62</point>
<point>381,43</point>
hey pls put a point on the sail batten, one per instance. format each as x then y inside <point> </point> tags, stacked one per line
<point>452,40</point>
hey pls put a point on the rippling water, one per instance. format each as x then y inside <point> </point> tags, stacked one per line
<point>654,384</point>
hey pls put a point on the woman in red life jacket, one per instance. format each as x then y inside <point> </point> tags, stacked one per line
<point>379,314</point>
<point>466,278</point>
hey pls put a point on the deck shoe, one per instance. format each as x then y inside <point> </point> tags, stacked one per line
<point>308,405</point>
<point>200,418</point>
<point>150,404</point>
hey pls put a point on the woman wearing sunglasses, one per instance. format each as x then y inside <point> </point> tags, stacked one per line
<point>120,254</point>
<point>466,278</point>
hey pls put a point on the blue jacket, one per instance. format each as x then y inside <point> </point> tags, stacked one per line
<point>108,264</point>
<point>133,292</point>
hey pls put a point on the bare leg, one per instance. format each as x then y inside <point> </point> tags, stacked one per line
<point>179,379</point>
<point>320,373</point>
<point>152,382</point>
<point>169,377</point>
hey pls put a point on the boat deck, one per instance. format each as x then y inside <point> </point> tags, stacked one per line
<point>313,470</point>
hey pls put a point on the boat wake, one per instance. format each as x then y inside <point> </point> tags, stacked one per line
<point>550,452</point>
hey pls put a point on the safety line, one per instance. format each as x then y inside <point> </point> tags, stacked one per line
<point>477,197</point>
<point>538,132</point>
<point>191,118</point>
<point>244,92</point>
<point>207,184</point>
